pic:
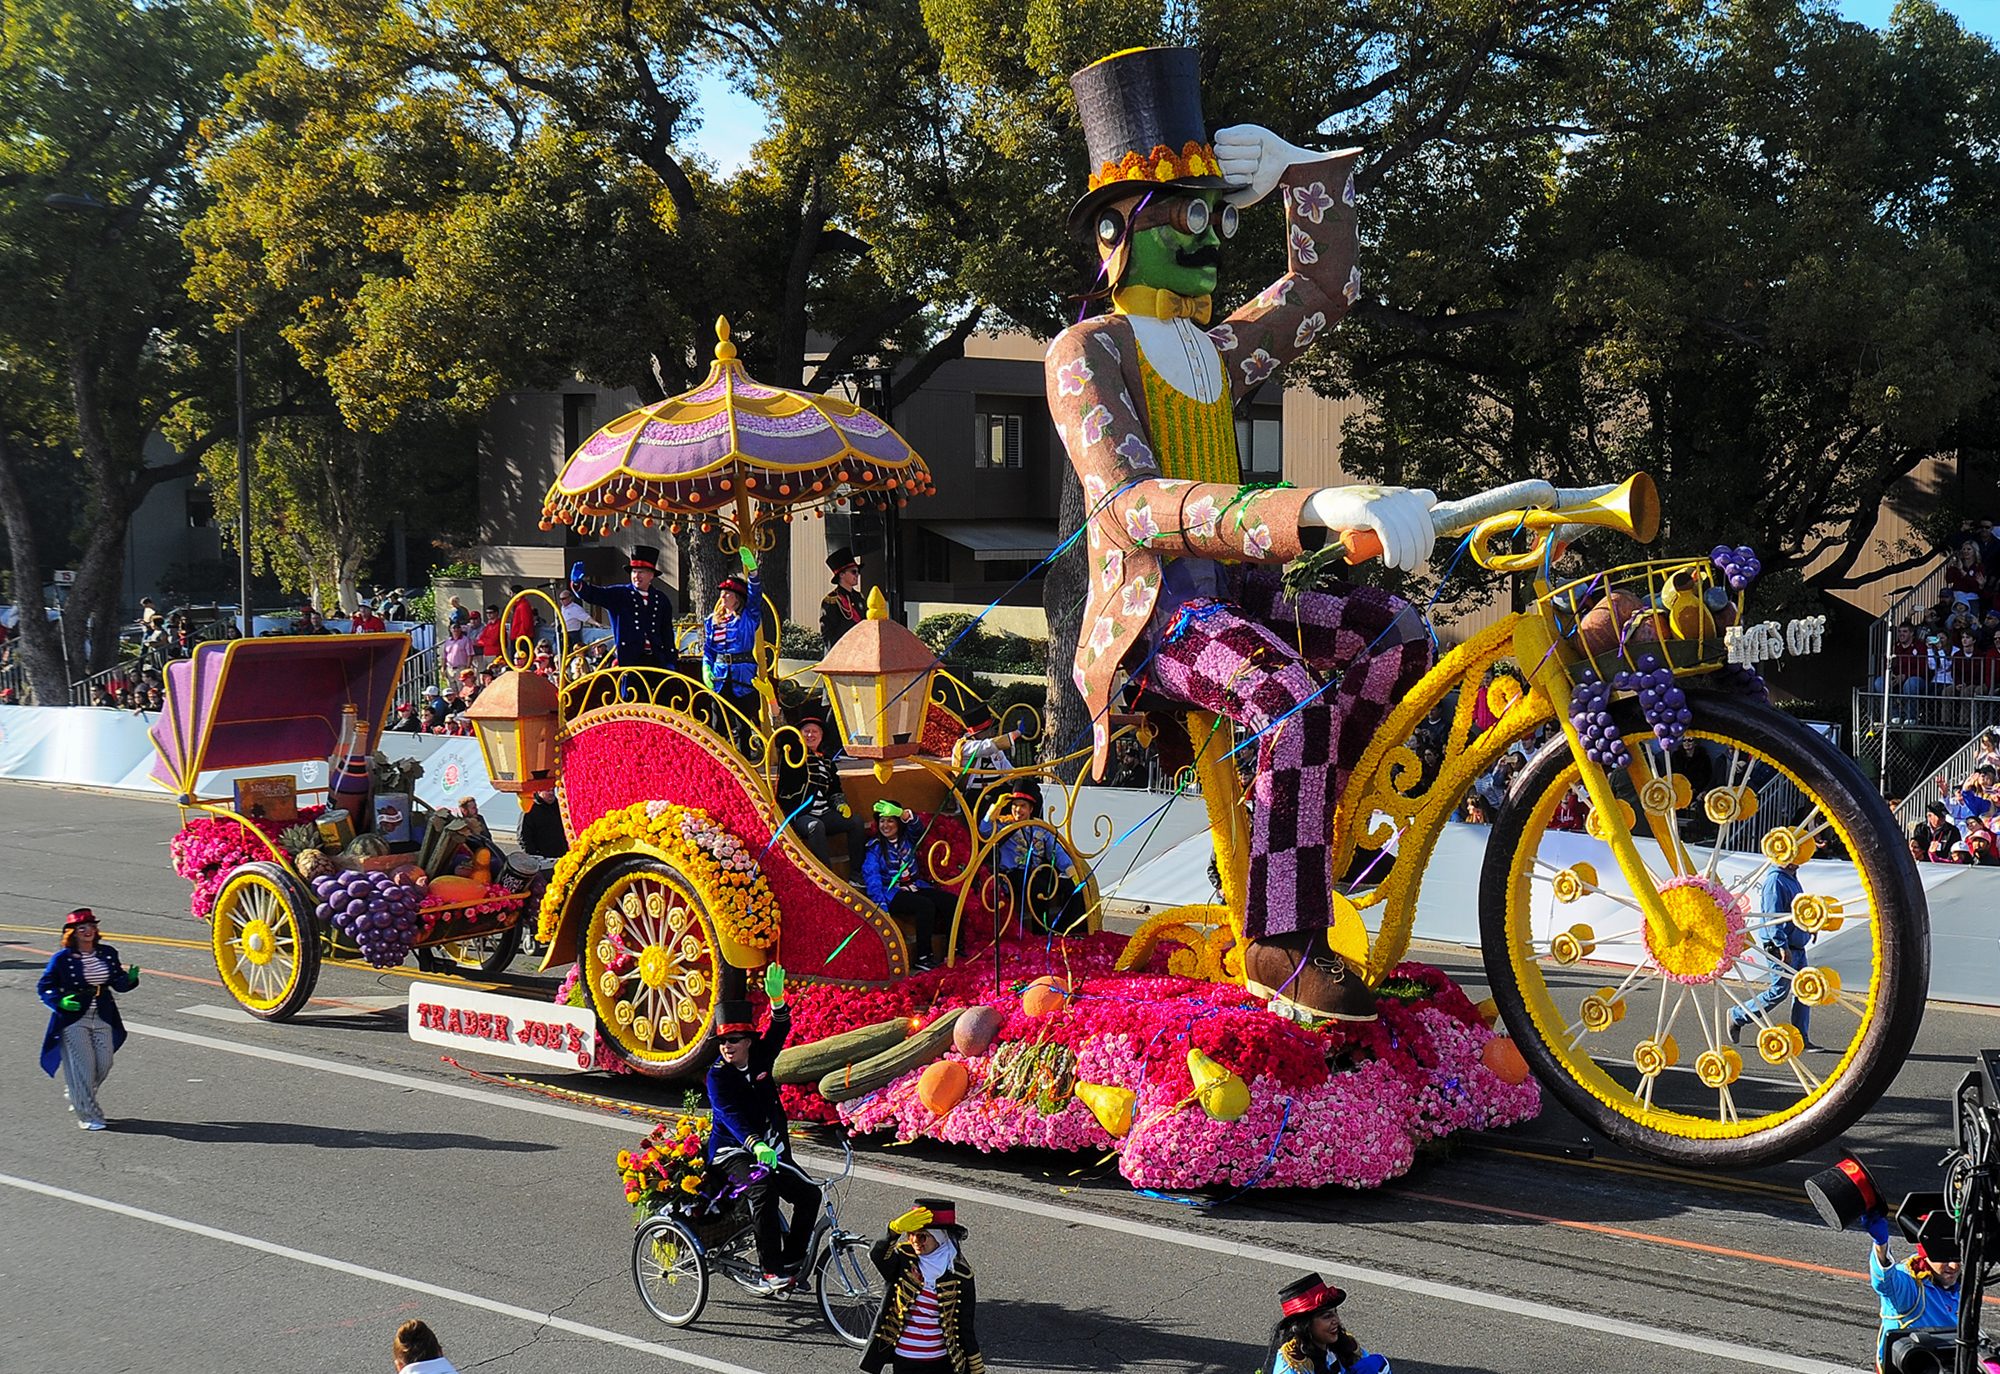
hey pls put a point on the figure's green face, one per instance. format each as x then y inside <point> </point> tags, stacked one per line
<point>1176,243</point>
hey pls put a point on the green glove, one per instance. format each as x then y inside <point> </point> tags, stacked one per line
<point>749,559</point>
<point>766,1155</point>
<point>131,975</point>
<point>774,984</point>
<point>70,1002</point>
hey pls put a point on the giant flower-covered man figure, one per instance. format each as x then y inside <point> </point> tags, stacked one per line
<point>1184,592</point>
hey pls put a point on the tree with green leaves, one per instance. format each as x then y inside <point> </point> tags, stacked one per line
<point>438,204</point>
<point>99,346</point>
<point>1747,247</point>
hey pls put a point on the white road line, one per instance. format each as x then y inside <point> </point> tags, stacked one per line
<point>1349,1274</point>
<point>362,1271</point>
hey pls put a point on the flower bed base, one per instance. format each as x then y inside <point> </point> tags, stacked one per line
<point>1348,1105</point>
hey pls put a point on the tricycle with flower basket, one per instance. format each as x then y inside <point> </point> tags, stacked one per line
<point>282,893</point>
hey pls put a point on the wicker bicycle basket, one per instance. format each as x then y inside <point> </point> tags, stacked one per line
<point>1678,609</point>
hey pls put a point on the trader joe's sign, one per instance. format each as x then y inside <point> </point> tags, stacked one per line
<point>512,1027</point>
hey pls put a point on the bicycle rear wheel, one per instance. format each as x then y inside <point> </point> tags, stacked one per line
<point>1569,955</point>
<point>848,1288</point>
<point>669,1270</point>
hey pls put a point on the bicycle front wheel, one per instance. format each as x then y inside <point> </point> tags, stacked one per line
<point>669,1270</point>
<point>1706,1050</point>
<point>848,1288</point>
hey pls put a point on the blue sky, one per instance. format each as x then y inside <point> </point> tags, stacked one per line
<point>731,122</point>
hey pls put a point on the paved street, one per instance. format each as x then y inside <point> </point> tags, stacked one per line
<point>280,1197</point>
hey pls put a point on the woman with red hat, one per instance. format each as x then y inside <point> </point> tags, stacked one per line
<point>925,1325</point>
<point>1310,1339</point>
<point>85,1029</point>
<point>729,642</point>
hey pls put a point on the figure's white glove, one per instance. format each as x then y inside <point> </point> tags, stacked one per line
<point>1400,517</point>
<point>1253,157</point>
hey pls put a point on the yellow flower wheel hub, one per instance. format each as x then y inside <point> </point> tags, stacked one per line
<point>260,942</point>
<point>655,964</point>
<point>1711,920</point>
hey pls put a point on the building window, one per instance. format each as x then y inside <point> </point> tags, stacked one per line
<point>996,440</point>
<point>1007,570</point>
<point>933,557</point>
<point>1260,446</point>
<point>578,408</point>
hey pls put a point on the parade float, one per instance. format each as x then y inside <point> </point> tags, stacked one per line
<point>1615,954</point>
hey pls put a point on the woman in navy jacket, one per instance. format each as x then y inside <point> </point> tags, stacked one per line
<point>85,1029</point>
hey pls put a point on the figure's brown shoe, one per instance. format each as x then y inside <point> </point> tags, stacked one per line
<point>1305,981</point>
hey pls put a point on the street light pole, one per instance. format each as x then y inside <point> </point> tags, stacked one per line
<point>242,488</point>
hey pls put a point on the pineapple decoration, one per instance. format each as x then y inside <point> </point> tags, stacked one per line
<point>302,842</point>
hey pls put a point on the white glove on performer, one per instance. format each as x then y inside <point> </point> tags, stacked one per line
<point>1400,517</point>
<point>1254,158</point>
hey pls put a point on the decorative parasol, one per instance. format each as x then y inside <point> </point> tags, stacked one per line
<point>733,452</point>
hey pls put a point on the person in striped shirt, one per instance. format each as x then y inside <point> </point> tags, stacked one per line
<point>925,1325</point>
<point>84,1026</point>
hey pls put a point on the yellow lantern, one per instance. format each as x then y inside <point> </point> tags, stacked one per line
<point>879,679</point>
<point>517,717</point>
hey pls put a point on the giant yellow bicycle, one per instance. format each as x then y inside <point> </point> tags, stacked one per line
<point>1628,958</point>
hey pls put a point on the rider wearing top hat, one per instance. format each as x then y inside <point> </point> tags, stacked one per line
<point>841,609</point>
<point>1183,557</point>
<point>750,1139</point>
<point>642,617</point>
<point>1310,1339</point>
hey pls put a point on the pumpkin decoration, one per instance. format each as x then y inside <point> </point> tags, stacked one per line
<point>1045,995</point>
<point>976,1028</point>
<point>1110,1104</point>
<point>1223,1095</point>
<point>943,1086</point>
<point>1503,1059</point>
<point>1601,627</point>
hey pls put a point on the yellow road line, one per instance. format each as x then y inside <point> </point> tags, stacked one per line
<point>171,942</point>
<point>1664,1173</point>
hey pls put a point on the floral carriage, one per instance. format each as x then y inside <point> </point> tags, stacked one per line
<point>285,885</point>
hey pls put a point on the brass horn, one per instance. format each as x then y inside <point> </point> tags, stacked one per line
<point>1632,507</point>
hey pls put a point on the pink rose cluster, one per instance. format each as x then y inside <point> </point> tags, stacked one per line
<point>1347,1106</point>
<point>208,847</point>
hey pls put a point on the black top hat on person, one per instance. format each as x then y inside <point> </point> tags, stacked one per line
<point>977,717</point>
<point>944,1214</point>
<point>810,715</point>
<point>840,560</point>
<point>735,1018</point>
<point>1844,1193</point>
<point>1307,1294</point>
<point>735,584</point>
<point>1142,126</point>
<point>645,556</point>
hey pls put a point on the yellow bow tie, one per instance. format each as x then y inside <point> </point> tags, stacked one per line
<point>1161,304</point>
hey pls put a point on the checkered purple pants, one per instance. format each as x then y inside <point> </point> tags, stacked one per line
<point>1254,661</point>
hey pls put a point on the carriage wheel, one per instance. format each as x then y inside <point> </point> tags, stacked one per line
<point>649,957</point>
<point>265,947</point>
<point>474,954</point>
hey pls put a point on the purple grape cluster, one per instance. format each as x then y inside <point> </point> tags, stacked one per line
<point>1590,713</point>
<point>1739,566</point>
<point>1739,679</point>
<point>1661,699</point>
<point>377,913</point>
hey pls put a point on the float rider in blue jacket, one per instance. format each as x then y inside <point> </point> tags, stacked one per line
<point>729,640</point>
<point>1916,1293</point>
<point>642,616</point>
<point>749,1139</point>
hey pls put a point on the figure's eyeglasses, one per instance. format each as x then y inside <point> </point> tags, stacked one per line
<point>1191,215</point>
